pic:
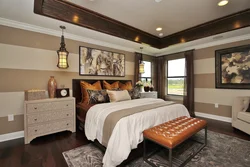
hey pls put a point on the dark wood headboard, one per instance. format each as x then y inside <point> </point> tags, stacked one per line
<point>76,88</point>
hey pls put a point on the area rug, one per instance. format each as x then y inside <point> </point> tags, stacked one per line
<point>221,151</point>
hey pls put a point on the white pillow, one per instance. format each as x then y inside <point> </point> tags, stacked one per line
<point>115,96</point>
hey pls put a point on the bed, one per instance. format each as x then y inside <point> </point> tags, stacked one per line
<point>121,136</point>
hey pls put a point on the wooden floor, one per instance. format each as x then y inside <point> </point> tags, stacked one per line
<point>47,151</point>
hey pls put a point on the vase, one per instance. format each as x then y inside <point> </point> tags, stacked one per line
<point>146,88</point>
<point>141,88</point>
<point>52,85</point>
<point>151,89</point>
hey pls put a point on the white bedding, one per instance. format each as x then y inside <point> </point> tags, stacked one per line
<point>127,133</point>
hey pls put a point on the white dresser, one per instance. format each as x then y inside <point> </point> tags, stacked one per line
<point>42,117</point>
<point>148,94</point>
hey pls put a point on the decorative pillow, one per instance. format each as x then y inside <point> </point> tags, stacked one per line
<point>115,96</point>
<point>126,86</point>
<point>108,86</point>
<point>85,86</point>
<point>98,96</point>
<point>134,93</point>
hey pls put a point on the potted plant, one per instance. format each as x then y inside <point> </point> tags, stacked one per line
<point>139,85</point>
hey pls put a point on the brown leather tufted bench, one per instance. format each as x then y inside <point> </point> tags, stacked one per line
<point>173,133</point>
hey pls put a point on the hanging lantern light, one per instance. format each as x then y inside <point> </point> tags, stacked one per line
<point>62,53</point>
<point>141,64</point>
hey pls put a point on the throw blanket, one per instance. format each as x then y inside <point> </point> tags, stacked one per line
<point>114,117</point>
<point>127,132</point>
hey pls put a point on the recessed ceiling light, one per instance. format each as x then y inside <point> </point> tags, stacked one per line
<point>161,34</point>
<point>223,3</point>
<point>157,0</point>
<point>158,29</point>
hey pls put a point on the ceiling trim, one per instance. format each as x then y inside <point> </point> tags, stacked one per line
<point>183,46</point>
<point>78,15</point>
<point>33,28</point>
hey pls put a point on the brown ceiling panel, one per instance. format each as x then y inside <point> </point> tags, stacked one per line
<point>78,15</point>
<point>74,14</point>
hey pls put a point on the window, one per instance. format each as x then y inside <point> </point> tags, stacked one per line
<point>146,76</point>
<point>175,76</point>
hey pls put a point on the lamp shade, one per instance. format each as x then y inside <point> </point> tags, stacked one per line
<point>62,59</point>
<point>141,68</point>
<point>62,53</point>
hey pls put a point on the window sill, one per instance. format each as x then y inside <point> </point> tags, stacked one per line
<point>174,97</point>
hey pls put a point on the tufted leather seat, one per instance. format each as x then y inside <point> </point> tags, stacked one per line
<point>173,133</point>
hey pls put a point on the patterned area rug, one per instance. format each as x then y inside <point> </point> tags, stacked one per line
<point>221,151</point>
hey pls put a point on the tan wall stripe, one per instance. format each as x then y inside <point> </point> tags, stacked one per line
<point>223,110</point>
<point>19,80</point>
<point>220,96</point>
<point>204,81</point>
<point>210,52</point>
<point>14,36</point>
<point>11,126</point>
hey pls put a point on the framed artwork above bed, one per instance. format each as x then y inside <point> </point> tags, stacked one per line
<point>232,68</point>
<point>96,62</point>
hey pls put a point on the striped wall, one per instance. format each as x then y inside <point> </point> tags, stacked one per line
<point>206,95</point>
<point>27,60</point>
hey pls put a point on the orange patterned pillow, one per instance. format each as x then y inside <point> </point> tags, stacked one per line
<point>126,86</point>
<point>85,86</point>
<point>108,86</point>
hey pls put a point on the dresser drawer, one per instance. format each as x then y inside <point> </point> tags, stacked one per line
<point>48,116</point>
<point>50,127</point>
<point>47,106</point>
<point>149,95</point>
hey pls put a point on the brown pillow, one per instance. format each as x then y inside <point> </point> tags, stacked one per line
<point>108,86</point>
<point>126,86</point>
<point>85,86</point>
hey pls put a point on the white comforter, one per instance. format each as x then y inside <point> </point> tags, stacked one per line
<point>127,133</point>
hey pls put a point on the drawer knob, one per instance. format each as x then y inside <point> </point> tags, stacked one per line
<point>35,108</point>
<point>35,130</point>
<point>67,105</point>
<point>67,114</point>
<point>67,124</point>
<point>35,119</point>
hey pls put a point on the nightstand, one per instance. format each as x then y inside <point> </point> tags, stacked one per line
<point>148,94</point>
<point>47,116</point>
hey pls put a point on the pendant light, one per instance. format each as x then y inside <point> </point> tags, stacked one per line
<point>141,64</point>
<point>62,53</point>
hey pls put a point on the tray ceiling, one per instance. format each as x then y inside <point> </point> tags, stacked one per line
<point>172,15</point>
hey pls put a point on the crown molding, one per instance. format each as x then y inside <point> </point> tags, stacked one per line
<point>160,52</point>
<point>33,28</point>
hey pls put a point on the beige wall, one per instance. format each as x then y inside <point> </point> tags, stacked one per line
<point>206,95</point>
<point>28,59</point>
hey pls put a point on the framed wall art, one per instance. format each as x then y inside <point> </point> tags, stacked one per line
<point>232,68</point>
<point>96,62</point>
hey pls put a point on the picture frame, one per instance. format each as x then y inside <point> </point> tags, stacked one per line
<point>232,68</point>
<point>97,62</point>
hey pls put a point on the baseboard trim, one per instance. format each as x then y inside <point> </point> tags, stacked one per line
<point>216,117</point>
<point>11,136</point>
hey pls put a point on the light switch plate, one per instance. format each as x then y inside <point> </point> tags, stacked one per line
<point>216,105</point>
<point>11,117</point>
